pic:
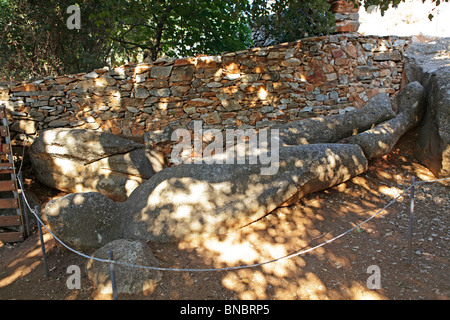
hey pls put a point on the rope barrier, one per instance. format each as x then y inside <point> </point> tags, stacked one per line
<point>223,268</point>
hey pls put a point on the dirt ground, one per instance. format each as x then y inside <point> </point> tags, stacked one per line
<point>340,270</point>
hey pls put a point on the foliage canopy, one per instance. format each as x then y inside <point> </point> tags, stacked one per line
<point>36,42</point>
<point>289,20</point>
<point>175,27</point>
<point>384,5</point>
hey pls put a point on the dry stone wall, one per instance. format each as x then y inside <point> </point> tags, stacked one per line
<point>253,88</point>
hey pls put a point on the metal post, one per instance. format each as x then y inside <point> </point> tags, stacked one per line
<point>113,276</point>
<point>411,216</point>
<point>24,206</point>
<point>41,239</point>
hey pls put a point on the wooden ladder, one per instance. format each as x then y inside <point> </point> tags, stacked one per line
<point>11,220</point>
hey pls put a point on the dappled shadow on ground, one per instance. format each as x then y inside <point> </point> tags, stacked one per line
<point>337,270</point>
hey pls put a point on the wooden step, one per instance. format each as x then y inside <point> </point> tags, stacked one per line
<point>9,204</point>
<point>7,185</point>
<point>5,149</point>
<point>11,236</point>
<point>10,221</point>
<point>6,168</point>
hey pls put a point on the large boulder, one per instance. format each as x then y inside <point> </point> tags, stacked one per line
<point>84,221</point>
<point>425,55</point>
<point>192,200</point>
<point>433,144</point>
<point>78,160</point>
<point>381,139</point>
<point>427,60</point>
<point>129,280</point>
<point>333,128</point>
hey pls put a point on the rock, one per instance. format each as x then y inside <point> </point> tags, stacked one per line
<point>410,101</point>
<point>212,118</point>
<point>141,93</point>
<point>58,123</point>
<point>142,67</point>
<point>91,75</point>
<point>394,55</point>
<point>433,143</point>
<point>365,72</point>
<point>427,61</point>
<point>133,109</point>
<point>193,200</point>
<point>214,85</point>
<point>152,138</point>
<point>199,102</point>
<point>336,127</point>
<point>77,123</point>
<point>182,73</point>
<point>160,72</point>
<point>232,76</point>
<point>85,85</point>
<point>209,62</point>
<point>140,78</point>
<point>163,92</point>
<point>381,139</point>
<point>25,87</point>
<point>347,26</point>
<point>25,126</point>
<point>231,105</point>
<point>83,145</point>
<point>179,91</point>
<point>292,62</point>
<point>91,227</point>
<point>77,160</point>
<point>425,55</point>
<point>105,80</point>
<point>129,280</point>
<point>36,115</point>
